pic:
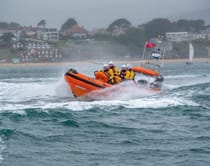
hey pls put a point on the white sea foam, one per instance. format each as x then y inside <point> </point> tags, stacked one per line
<point>17,97</point>
<point>176,81</point>
<point>25,91</point>
<point>144,102</point>
<point>135,103</point>
<point>27,80</point>
<point>62,89</point>
<point>181,76</point>
<point>124,91</point>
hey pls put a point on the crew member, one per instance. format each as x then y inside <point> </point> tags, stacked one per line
<point>131,72</point>
<point>113,69</point>
<point>124,73</point>
<point>114,73</point>
<point>110,77</point>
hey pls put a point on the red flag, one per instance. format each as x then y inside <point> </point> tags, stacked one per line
<point>150,45</point>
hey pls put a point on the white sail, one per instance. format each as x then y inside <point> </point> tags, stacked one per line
<point>191,52</point>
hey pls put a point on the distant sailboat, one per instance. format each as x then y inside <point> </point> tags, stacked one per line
<point>191,53</point>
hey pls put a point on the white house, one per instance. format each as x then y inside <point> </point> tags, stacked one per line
<point>49,34</point>
<point>177,36</point>
<point>184,36</point>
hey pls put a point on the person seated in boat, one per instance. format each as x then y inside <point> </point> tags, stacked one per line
<point>124,73</point>
<point>110,78</point>
<point>114,73</point>
<point>113,69</point>
<point>131,72</point>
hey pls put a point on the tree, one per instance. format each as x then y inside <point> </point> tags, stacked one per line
<point>42,23</point>
<point>121,23</point>
<point>7,38</point>
<point>4,25</point>
<point>189,25</point>
<point>157,27</point>
<point>12,25</point>
<point>103,36</point>
<point>68,24</point>
<point>133,38</point>
<point>199,25</point>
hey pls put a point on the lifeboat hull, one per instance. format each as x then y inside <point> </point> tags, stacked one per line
<point>81,84</point>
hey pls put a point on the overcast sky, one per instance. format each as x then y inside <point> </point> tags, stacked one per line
<point>95,13</point>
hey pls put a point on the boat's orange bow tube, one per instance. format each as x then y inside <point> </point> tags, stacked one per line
<point>81,84</point>
<point>146,71</point>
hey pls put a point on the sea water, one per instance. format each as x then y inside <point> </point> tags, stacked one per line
<point>41,123</point>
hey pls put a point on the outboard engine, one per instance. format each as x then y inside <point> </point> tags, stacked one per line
<point>142,83</point>
<point>157,84</point>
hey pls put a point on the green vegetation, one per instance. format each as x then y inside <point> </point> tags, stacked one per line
<point>42,23</point>
<point>123,39</point>
<point>68,24</point>
<point>119,23</point>
<point>134,37</point>
<point>61,43</point>
<point>7,54</point>
<point>12,25</point>
<point>160,26</point>
<point>6,39</point>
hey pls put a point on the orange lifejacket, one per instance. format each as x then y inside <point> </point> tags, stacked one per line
<point>117,79</point>
<point>102,76</point>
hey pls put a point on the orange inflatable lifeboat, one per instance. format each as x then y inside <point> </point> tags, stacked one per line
<point>81,84</point>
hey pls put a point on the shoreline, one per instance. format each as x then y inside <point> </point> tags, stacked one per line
<point>93,62</point>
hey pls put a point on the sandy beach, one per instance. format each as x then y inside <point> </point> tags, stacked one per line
<point>206,60</point>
